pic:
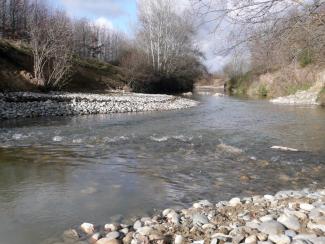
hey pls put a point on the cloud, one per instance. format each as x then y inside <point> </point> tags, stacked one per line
<point>104,22</point>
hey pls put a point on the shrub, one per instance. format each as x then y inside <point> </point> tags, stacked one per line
<point>262,91</point>
<point>305,58</point>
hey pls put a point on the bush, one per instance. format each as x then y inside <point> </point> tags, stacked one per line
<point>262,91</point>
<point>239,84</point>
<point>155,83</point>
<point>305,58</point>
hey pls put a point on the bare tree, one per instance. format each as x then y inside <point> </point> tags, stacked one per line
<point>51,39</point>
<point>164,35</point>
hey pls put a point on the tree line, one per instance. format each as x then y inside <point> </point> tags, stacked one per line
<point>161,57</point>
<point>267,35</point>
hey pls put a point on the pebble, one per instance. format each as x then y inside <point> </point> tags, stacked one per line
<point>290,233</point>
<point>137,224</point>
<point>280,239</point>
<point>281,220</point>
<point>108,241</point>
<point>70,235</point>
<point>111,227</point>
<point>178,239</point>
<point>202,204</point>
<point>289,221</point>
<point>200,219</point>
<point>113,235</point>
<point>145,231</point>
<point>306,206</point>
<point>234,201</point>
<point>266,218</point>
<point>28,104</point>
<point>87,228</point>
<point>252,239</point>
<point>173,217</point>
<point>271,227</point>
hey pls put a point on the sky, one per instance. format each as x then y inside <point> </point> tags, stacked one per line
<point>117,14</point>
<point>120,14</point>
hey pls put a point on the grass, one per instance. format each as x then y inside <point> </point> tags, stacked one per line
<point>238,85</point>
<point>293,88</point>
<point>262,91</point>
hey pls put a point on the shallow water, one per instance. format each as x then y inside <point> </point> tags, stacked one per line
<point>59,172</point>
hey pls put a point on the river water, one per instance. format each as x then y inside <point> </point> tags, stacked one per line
<point>56,173</point>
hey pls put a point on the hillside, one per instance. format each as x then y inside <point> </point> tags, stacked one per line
<point>292,80</point>
<point>89,75</point>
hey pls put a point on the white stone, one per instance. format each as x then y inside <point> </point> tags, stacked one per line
<point>234,201</point>
<point>88,228</point>
<point>280,239</point>
<point>251,239</point>
<point>179,239</point>
<point>289,221</point>
<point>306,206</point>
<point>271,228</point>
<point>266,218</point>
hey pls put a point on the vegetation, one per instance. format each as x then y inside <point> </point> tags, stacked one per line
<point>269,37</point>
<point>321,97</point>
<point>160,58</point>
<point>16,61</point>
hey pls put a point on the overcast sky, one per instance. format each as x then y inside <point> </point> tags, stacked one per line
<point>120,14</point>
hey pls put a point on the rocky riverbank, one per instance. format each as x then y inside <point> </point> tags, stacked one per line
<point>296,217</point>
<point>26,104</point>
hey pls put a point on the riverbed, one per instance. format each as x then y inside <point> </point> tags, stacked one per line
<point>57,172</point>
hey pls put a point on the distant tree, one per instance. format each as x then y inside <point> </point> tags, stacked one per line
<point>165,35</point>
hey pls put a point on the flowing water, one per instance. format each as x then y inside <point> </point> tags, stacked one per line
<point>56,173</point>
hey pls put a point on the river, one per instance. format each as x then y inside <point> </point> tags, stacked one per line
<point>56,173</point>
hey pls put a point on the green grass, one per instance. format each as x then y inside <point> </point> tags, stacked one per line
<point>238,85</point>
<point>305,58</point>
<point>293,88</point>
<point>262,91</point>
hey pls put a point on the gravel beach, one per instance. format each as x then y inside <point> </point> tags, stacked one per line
<point>296,217</point>
<point>27,105</point>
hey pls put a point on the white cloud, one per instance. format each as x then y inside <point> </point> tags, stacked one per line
<point>104,22</point>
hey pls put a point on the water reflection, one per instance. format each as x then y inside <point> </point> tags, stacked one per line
<point>58,172</point>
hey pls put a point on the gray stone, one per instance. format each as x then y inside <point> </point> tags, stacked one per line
<point>199,219</point>
<point>145,231</point>
<point>290,233</point>
<point>138,224</point>
<point>179,239</point>
<point>202,204</point>
<point>251,239</point>
<point>234,201</point>
<point>113,235</point>
<point>271,228</point>
<point>70,236</point>
<point>289,221</point>
<point>280,239</point>
<point>266,218</point>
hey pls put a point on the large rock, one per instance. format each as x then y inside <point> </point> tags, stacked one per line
<point>271,228</point>
<point>289,221</point>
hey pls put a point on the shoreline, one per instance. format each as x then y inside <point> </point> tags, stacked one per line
<point>296,217</point>
<point>28,104</point>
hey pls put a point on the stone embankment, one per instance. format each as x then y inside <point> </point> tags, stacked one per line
<point>296,217</point>
<point>25,105</point>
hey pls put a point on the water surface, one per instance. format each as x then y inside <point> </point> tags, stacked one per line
<point>59,172</point>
